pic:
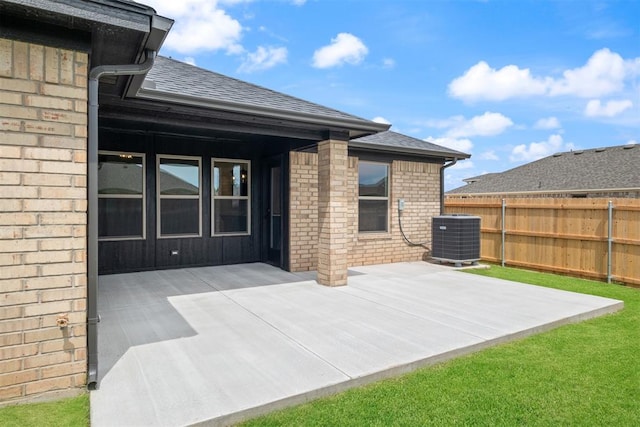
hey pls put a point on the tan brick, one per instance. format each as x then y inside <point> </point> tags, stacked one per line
<point>63,91</point>
<point>48,282</point>
<point>81,106</point>
<point>80,354</point>
<point>79,256</point>
<point>20,60</point>
<point>47,360</point>
<point>62,244</point>
<point>11,285</point>
<point>18,245</point>
<point>18,351</point>
<point>51,66</point>
<point>62,193</point>
<point>80,205</point>
<point>14,325</point>
<point>47,334</point>
<point>80,380</point>
<point>63,117</point>
<point>63,294</point>
<point>47,205</point>
<point>80,231</point>
<point>63,142</point>
<point>80,305</point>
<point>8,233</point>
<point>62,268</point>
<point>17,298</point>
<point>11,366</point>
<point>80,131</point>
<point>6,58</point>
<point>63,218</point>
<point>51,384</point>
<point>50,128</point>
<point>18,192</point>
<point>18,112</point>
<point>80,156</point>
<point>18,165</point>
<point>46,308</point>
<point>20,377</point>
<point>48,257</point>
<point>9,124</point>
<point>7,393</point>
<point>36,62</point>
<point>7,340</point>
<point>48,102</point>
<point>47,231</point>
<point>63,370</point>
<point>66,168</point>
<point>46,180</point>
<point>15,85</point>
<point>10,138</point>
<point>10,312</point>
<point>17,218</point>
<point>79,330</point>
<point>11,98</point>
<point>46,154</point>
<point>10,178</point>
<point>66,67</point>
<point>68,344</point>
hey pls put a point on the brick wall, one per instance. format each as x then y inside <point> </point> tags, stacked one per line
<point>417,183</point>
<point>43,203</point>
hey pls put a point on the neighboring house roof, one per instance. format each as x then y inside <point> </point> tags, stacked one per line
<point>397,142</point>
<point>175,81</point>
<point>598,169</point>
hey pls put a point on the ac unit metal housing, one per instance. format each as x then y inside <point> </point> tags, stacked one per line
<point>456,238</point>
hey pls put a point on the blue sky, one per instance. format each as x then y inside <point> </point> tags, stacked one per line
<point>506,81</point>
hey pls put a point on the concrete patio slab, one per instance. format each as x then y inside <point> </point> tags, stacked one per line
<point>215,345</point>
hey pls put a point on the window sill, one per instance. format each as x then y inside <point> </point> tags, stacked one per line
<point>375,236</point>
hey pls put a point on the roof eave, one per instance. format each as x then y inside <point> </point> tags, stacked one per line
<point>408,150</point>
<point>355,127</point>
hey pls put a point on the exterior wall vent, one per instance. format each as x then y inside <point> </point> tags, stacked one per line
<point>456,238</point>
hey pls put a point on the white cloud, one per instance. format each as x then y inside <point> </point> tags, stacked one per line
<point>483,82</point>
<point>604,73</point>
<point>489,155</point>
<point>382,120</point>
<point>465,145</point>
<point>548,123</point>
<point>595,108</point>
<point>263,58</point>
<point>200,25</point>
<point>538,150</point>
<point>345,48</point>
<point>488,124</point>
<point>298,2</point>
<point>632,142</point>
<point>190,60</point>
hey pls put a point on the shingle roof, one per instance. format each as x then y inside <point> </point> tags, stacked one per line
<point>594,169</point>
<point>180,79</point>
<point>398,142</point>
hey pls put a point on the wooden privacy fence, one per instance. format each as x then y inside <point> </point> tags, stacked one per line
<point>596,238</point>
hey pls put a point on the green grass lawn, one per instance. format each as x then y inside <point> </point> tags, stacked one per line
<point>62,413</point>
<point>581,374</point>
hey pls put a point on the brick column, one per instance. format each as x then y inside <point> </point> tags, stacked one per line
<point>332,213</point>
<point>43,203</point>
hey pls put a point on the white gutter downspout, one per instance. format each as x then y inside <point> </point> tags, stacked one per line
<point>92,209</point>
<point>453,162</point>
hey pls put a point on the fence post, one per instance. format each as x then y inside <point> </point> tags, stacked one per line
<point>504,230</point>
<point>609,241</point>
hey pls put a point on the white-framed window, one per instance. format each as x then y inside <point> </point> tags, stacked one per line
<point>121,196</point>
<point>230,197</point>
<point>179,193</point>
<point>373,197</point>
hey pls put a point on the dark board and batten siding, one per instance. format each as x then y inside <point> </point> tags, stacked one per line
<point>156,253</point>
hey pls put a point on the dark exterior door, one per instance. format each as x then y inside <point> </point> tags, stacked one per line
<point>273,211</point>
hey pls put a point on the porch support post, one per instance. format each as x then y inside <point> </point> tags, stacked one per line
<point>332,212</point>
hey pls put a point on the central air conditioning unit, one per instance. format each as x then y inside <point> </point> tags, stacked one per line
<point>456,238</point>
